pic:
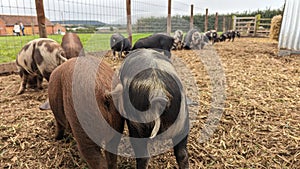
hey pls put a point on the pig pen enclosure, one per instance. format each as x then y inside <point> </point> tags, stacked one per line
<point>259,128</point>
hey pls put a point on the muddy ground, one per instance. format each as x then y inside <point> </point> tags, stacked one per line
<point>259,127</point>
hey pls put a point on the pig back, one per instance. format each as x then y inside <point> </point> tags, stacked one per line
<point>81,84</point>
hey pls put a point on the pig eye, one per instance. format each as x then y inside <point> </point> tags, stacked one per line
<point>107,104</point>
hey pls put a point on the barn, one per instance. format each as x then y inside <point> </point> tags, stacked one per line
<point>289,38</point>
<point>30,23</point>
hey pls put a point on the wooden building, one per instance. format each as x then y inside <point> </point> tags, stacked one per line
<point>30,23</point>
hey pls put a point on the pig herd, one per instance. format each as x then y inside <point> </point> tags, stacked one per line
<point>145,93</point>
<point>164,43</point>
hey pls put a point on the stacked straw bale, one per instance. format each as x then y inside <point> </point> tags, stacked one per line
<point>275,27</point>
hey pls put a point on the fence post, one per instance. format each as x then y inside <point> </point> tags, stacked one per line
<point>169,28</point>
<point>229,23</point>
<point>224,23</point>
<point>233,22</point>
<point>32,28</point>
<point>216,21</point>
<point>206,20</point>
<point>41,18</point>
<point>257,23</point>
<point>192,17</point>
<point>129,26</point>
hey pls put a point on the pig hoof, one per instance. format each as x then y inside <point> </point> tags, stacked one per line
<point>67,139</point>
<point>59,137</point>
<point>20,92</point>
<point>45,106</point>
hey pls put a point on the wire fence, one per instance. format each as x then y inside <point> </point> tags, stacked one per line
<point>91,17</point>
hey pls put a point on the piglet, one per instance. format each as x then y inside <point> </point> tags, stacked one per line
<point>38,58</point>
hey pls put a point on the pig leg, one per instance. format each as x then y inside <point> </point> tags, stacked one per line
<point>111,158</point>
<point>59,131</point>
<point>46,74</point>
<point>181,154</point>
<point>32,82</point>
<point>60,120</point>
<point>139,147</point>
<point>120,55</point>
<point>88,149</point>
<point>121,51</point>
<point>112,145</point>
<point>24,75</point>
<point>142,163</point>
<point>57,106</point>
<point>180,46</point>
<point>141,150</point>
<point>39,82</point>
<point>114,54</point>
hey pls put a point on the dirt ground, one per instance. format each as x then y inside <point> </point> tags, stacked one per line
<point>259,127</point>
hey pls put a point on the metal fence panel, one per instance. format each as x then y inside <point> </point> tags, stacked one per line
<point>94,20</point>
<point>289,38</point>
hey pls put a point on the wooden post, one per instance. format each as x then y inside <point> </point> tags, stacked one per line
<point>257,23</point>
<point>129,26</point>
<point>224,23</point>
<point>32,28</point>
<point>229,23</point>
<point>216,22</point>
<point>41,18</point>
<point>192,17</point>
<point>169,28</point>
<point>206,20</point>
<point>233,22</point>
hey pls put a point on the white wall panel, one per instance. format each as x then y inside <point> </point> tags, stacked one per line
<point>289,38</point>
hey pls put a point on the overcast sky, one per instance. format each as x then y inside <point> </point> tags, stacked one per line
<point>114,11</point>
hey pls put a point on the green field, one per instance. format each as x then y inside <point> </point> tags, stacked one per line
<point>11,45</point>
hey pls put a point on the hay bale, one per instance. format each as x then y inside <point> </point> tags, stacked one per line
<point>275,27</point>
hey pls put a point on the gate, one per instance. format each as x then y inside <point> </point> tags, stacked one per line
<point>252,26</point>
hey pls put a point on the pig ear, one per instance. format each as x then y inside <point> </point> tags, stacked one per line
<point>116,96</point>
<point>60,58</point>
<point>116,92</point>
<point>81,53</point>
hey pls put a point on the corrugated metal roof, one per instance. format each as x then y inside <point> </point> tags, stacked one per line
<point>289,38</point>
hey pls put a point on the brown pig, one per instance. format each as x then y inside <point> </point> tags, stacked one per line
<point>72,110</point>
<point>72,45</point>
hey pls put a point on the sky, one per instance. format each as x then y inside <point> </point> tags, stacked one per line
<point>114,11</point>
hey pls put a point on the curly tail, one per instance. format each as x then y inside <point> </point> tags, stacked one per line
<point>158,103</point>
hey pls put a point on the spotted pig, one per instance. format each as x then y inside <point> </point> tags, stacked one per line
<point>38,58</point>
